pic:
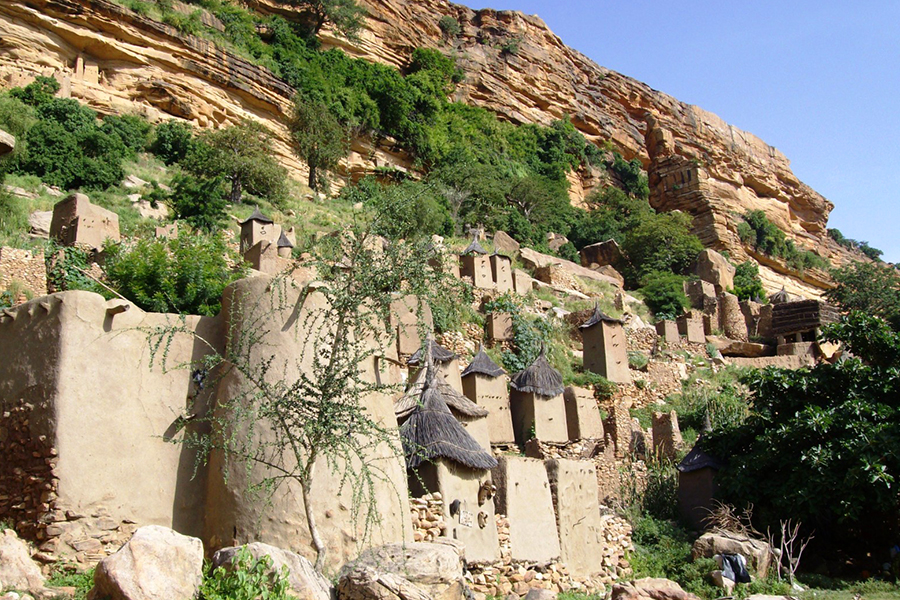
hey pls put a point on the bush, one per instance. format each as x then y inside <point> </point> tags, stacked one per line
<point>199,202</point>
<point>409,210</point>
<point>766,237</point>
<point>172,141</point>
<point>631,174</point>
<point>67,268</point>
<point>818,443</point>
<point>661,242</point>
<point>38,92</point>
<point>182,275</point>
<point>68,576</point>
<point>747,284</point>
<point>247,578</point>
<point>133,131</point>
<point>449,26</point>
<point>13,216</point>
<point>663,294</point>
<point>869,288</point>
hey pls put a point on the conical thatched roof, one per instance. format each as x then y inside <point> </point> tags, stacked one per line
<point>539,378</point>
<point>432,432</point>
<point>598,317</point>
<point>780,297</point>
<point>454,400</point>
<point>483,365</point>
<point>257,216</point>
<point>284,242</point>
<point>474,248</point>
<point>438,353</point>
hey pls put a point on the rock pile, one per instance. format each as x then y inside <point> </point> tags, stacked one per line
<point>427,517</point>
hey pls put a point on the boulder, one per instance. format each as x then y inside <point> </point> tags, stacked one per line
<point>729,347</point>
<point>155,564</point>
<point>303,579</point>
<point>39,223</point>
<point>555,241</point>
<point>540,594</point>
<point>601,254</point>
<point>609,271</point>
<point>757,552</point>
<point>133,181</point>
<point>534,260</point>
<point>415,571</point>
<point>7,143</point>
<point>713,267</point>
<point>504,244</point>
<point>650,588</point>
<point>17,570</point>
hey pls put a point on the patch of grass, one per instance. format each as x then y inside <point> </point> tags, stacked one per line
<point>67,575</point>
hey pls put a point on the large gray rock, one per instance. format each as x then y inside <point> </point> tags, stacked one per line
<point>305,582</point>
<point>757,552</point>
<point>533,260</point>
<point>405,571</point>
<point>17,570</point>
<point>7,143</point>
<point>601,254</point>
<point>650,588</point>
<point>39,223</point>
<point>713,267</point>
<point>505,244</point>
<point>155,564</point>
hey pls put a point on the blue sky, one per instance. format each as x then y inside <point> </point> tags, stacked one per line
<point>820,81</point>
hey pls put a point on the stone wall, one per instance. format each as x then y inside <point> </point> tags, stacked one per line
<point>25,267</point>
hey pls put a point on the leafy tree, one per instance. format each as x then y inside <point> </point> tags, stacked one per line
<point>240,154</point>
<point>319,138</point>
<point>631,174</point>
<point>747,284</point>
<point>346,16</point>
<point>172,141</point>
<point>132,130</point>
<point>38,92</point>
<point>287,418</point>
<point>409,210</point>
<point>661,242</point>
<point>664,294</point>
<point>199,202</point>
<point>449,26</point>
<point>873,253</point>
<point>822,445</point>
<point>871,288</point>
<point>182,275</point>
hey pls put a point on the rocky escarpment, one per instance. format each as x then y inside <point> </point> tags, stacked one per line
<point>119,61</point>
<point>698,163</point>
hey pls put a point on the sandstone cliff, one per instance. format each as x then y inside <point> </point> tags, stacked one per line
<point>119,61</point>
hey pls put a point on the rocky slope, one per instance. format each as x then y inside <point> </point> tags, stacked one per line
<point>119,61</point>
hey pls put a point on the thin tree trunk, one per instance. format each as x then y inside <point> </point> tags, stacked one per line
<point>236,189</point>
<point>312,178</point>
<point>318,544</point>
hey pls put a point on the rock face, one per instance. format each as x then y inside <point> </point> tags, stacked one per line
<point>119,61</point>
<point>156,564</point>
<point>7,143</point>
<point>305,583</point>
<point>712,267</point>
<point>17,570</point>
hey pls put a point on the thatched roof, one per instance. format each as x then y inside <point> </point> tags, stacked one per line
<point>438,353</point>
<point>483,365</point>
<point>284,242</point>
<point>458,403</point>
<point>697,459</point>
<point>780,297</point>
<point>599,316</point>
<point>539,378</point>
<point>432,432</point>
<point>474,248</point>
<point>257,216</point>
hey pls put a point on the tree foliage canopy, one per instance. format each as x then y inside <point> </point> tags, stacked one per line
<point>868,287</point>
<point>822,445</point>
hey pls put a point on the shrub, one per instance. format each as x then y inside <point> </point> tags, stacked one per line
<point>769,239</point>
<point>200,202</point>
<point>67,268</point>
<point>172,141</point>
<point>183,275</point>
<point>449,26</point>
<point>631,174</point>
<point>664,294</point>
<point>133,131</point>
<point>410,210</point>
<point>869,288</point>
<point>38,92</point>
<point>13,215</point>
<point>247,578</point>
<point>661,242</point>
<point>68,576</point>
<point>637,360</point>
<point>747,284</point>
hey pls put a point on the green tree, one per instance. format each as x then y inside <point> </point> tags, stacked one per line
<point>747,284</point>
<point>871,288</point>
<point>663,294</point>
<point>822,445</point>
<point>346,16</point>
<point>242,155</point>
<point>184,275</point>
<point>661,242</point>
<point>38,92</point>
<point>199,202</point>
<point>172,141</point>
<point>319,139</point>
